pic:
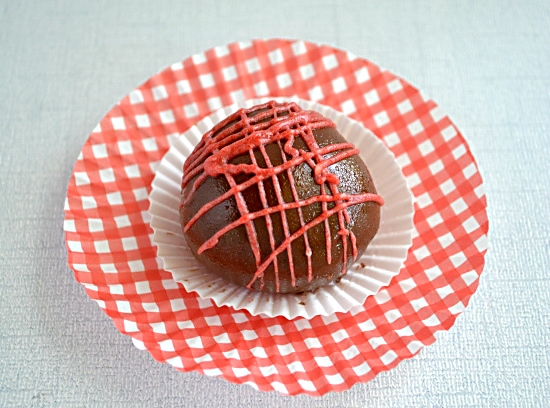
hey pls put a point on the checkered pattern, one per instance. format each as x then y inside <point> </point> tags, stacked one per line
<point>109,238</point>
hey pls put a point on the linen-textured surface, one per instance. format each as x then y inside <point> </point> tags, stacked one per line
<point>64,65</point>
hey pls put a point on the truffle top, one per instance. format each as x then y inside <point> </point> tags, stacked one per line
<point>250,130</point>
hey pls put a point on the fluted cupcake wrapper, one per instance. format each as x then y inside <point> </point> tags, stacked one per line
<point>373,270</point>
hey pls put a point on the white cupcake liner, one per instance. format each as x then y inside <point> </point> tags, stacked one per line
<point>381,261</point>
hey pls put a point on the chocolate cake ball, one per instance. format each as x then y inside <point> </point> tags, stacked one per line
<point>276,200</point>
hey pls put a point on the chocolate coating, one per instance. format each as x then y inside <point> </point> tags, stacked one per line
<point>232,256</point>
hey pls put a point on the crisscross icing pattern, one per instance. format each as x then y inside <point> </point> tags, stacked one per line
<point>252,129</point>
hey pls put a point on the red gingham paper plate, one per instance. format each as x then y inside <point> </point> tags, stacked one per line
<point>109,244</point>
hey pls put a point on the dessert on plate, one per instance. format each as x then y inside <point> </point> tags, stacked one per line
<point>276,200</point>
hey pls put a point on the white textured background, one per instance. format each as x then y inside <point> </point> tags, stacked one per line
<point>63,64</point>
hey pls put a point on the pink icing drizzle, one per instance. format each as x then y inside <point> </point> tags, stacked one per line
<point>240,134</point>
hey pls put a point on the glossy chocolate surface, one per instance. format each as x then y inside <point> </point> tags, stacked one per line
<point>275,199</point>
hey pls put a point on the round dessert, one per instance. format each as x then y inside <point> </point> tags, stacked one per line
<point>276,200</point>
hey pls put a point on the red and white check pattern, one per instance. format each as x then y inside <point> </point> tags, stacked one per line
<point>109,238</point>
